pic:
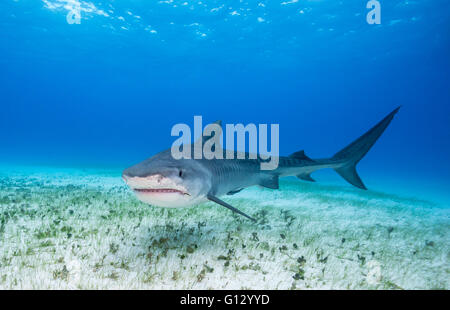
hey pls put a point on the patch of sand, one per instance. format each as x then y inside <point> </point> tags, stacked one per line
<point>83,229</point>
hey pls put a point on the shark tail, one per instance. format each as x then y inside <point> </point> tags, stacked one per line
<point>355,151</point>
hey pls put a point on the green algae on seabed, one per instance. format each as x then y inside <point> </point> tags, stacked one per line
<point>84,229</point>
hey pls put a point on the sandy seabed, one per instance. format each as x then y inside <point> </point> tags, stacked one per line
<point>83,229</point>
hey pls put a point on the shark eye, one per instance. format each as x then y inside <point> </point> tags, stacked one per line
<point>180,174</point>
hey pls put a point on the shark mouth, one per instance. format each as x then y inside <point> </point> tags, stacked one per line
<point>154,185</point>
<point>159,191</point>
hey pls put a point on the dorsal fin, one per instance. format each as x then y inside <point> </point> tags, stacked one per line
<point>300,155</point>
<point>206,138</point>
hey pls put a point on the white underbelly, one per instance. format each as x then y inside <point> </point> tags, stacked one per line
<point>169,200</point>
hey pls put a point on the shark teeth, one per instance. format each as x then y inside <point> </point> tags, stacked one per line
<point>159,190</point>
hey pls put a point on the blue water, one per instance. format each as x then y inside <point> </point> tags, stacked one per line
<point>107,91</point>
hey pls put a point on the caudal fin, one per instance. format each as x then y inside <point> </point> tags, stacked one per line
<point>356,150</point>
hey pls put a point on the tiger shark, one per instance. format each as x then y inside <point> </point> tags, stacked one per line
<point>167,182</point>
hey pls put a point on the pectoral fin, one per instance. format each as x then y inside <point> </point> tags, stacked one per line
<point>226,205</point>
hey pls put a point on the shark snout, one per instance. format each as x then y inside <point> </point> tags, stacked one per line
<point>134,181</point>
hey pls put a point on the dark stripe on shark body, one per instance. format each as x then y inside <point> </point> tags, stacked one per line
<point>345,161</point>
<point>228,176</point>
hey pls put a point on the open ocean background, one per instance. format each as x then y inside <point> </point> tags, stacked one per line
<point>107,91</point>
<point>104,94</point>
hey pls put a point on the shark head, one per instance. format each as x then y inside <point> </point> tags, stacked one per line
<point>166,182</point>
